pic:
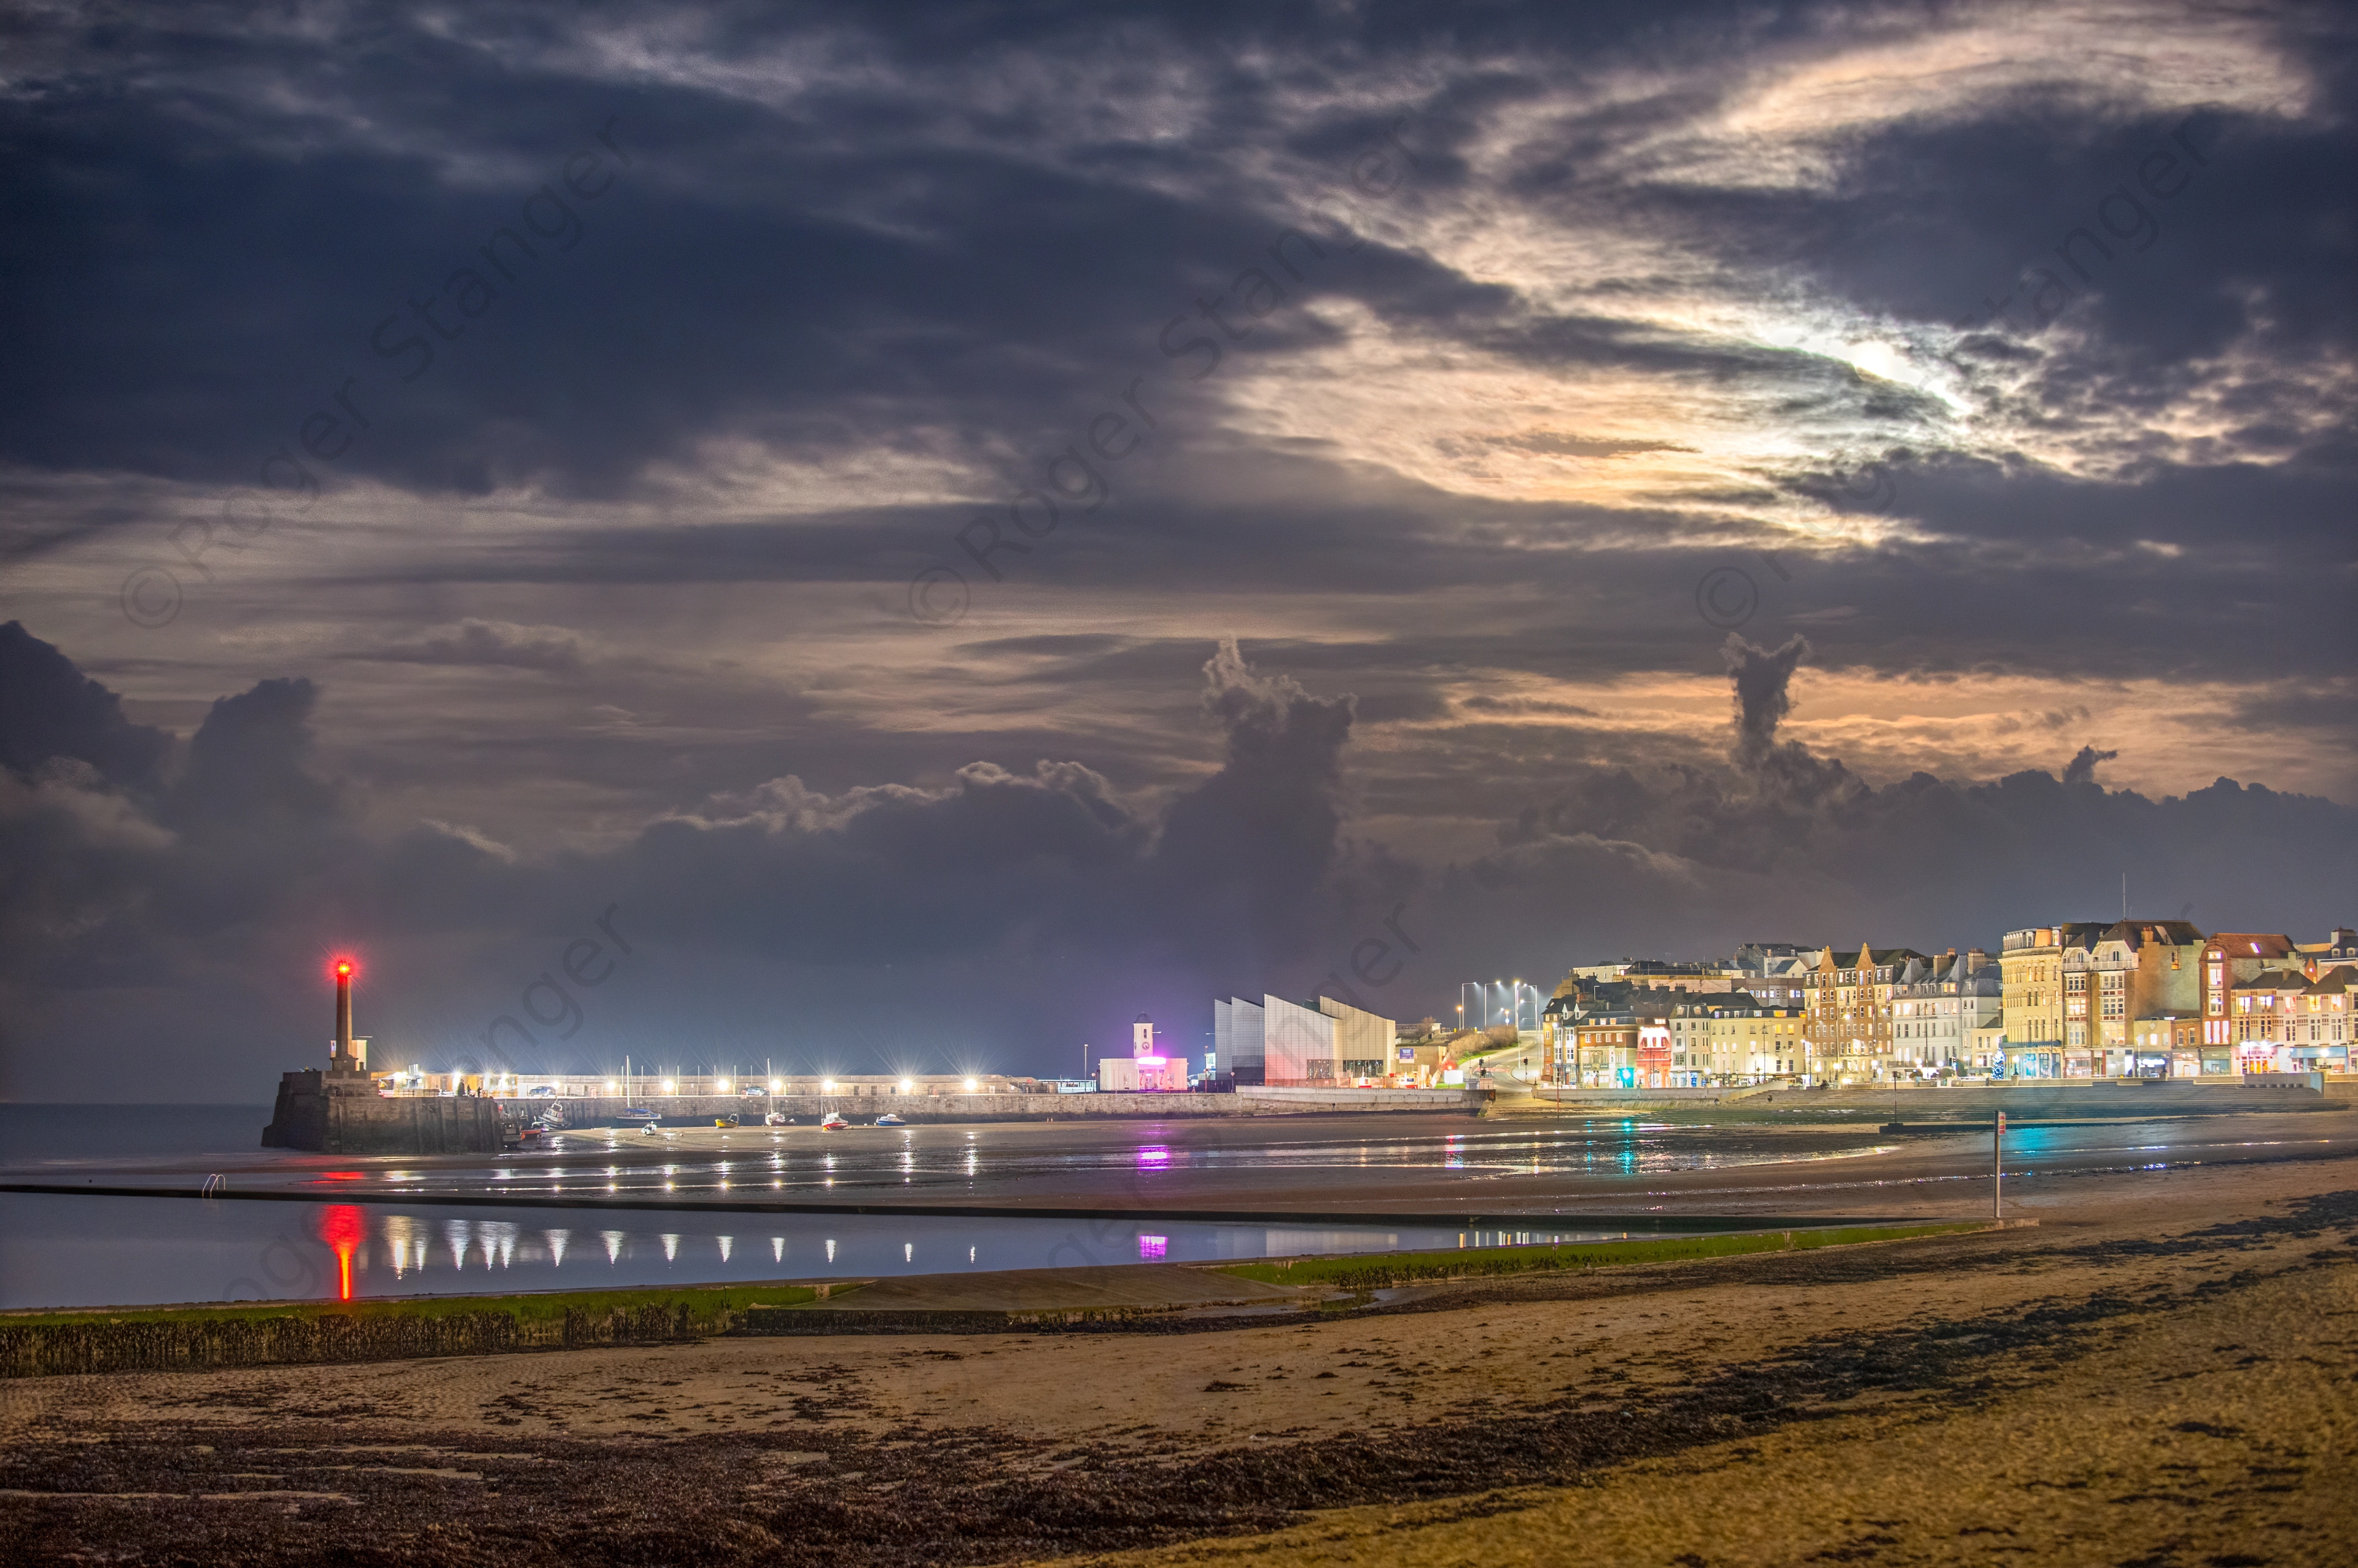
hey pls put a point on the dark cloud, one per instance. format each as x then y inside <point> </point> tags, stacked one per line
<point>606,603</point>
<point>2081,769</point>
<point>998,877</point>
<point>48,709</point>
<point>1014,908</point>
<point>248,767</point>
<point>1762,680</point>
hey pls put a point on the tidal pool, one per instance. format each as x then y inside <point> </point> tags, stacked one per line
<point>57,1250</point>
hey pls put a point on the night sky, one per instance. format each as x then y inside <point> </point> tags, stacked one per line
<point>950,526</point>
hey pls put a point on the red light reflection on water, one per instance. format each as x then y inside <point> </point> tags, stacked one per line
<point>344,1228</point>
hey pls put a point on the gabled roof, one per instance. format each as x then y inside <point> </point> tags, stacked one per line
<point>1864,956</point>
<point>2250,944</point>
<point>2153,933</point>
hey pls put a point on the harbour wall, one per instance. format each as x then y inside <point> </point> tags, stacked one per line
<point>690,1111</point>
<point>317,1113</point>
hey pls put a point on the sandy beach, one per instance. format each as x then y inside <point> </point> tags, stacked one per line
<point>2159,1372</point>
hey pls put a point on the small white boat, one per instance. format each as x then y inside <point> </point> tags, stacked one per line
<point>834,1122</point>
<point>889,1119</point>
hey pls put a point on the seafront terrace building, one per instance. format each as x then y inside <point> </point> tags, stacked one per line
<point>2087,1000</point>
<point>2257,1034</point>
<point>1590,1040</point>
<point>1608,1034</point>
<point>2284,1021</point>
<point>1850,1013</point>
<point>1732,1040</point>
<point>1939,1009</point>
<point>2031,968</point>
<point>1657,974</point>
<point>2228,957</point>
<point>2134,968</point>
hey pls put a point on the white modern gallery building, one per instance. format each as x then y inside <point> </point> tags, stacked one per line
<point>1283,1043</point>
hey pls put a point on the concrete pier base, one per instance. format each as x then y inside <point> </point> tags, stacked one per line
<point>341,1113</point>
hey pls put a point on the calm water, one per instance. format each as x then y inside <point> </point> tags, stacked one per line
<point>114,1251</point>
<point>61,1251</point>
<point>42,1133</point>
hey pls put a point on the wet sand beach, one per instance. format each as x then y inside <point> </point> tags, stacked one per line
<point>2160,1372</point>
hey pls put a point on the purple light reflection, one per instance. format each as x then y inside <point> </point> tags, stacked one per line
<point>1154,1156</point>
<point>1154,1246</point>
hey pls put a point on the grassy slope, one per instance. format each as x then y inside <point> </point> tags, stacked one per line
<point>702,1302</point>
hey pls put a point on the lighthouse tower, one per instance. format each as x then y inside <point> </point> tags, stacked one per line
<point>347,1053</point>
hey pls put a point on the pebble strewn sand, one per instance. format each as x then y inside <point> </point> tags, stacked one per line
<point>2161,1373</point>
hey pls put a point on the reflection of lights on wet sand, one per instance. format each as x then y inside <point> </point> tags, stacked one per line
<point>556,1240</point>
<point>405,1234</point>
<point>614,1240</point>
<point>831,1249</point>
<point>460,1236</point>
<point>777,1248</point>
<point>726,1243</point>
<point>342,1228</point>
<point>671,1246</point>
<point>908,1252</point>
